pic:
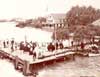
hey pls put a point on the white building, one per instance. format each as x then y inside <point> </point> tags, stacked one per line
<point>56,19</point>
<point>96,23</point>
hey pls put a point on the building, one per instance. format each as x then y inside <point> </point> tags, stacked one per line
<point>96,23</point>
<point>56,20</point>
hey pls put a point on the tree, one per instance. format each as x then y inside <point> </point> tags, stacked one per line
<point>86,33</point>
<point>61,34</point>
<point>37,23</point>
<point>41,19</point>
<point>82,15</point>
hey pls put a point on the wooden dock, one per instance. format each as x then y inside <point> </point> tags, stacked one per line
<point>27,65</point>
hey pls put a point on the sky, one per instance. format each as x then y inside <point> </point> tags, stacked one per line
<point>35,8</point>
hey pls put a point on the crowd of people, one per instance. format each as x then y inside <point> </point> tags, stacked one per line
<point>31,47</point>
<point>12,44</point>
<point>56,46</point>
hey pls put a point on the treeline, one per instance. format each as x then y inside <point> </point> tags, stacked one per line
<point>79,20</point>
<point>82,15</point>
<point>37,23</point>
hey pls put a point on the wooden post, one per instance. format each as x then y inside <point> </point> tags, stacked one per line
<point>25,66</point>
<point>73,56</point>
<point>16,62</point>
<point>26,70</point>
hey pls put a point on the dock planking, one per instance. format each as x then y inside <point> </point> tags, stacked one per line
<point>25,61</point>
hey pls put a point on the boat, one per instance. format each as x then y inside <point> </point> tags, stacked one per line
<point>93,54</point>
<point>94,51</point>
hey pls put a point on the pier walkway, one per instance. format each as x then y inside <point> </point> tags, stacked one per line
<point>24,60</point>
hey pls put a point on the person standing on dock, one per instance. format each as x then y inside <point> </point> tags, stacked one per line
<point>51,47</point>
<point>16,46</point>
<point>56,45</point>
<point>36,51</point>
<point>7,42</point>
<point>61,45</point>
<point>72,43</point>
<point>21,46</point>
<point>33,45</point>
<point>82,46</point>
<point>12,45</point>
<point>4,44</point>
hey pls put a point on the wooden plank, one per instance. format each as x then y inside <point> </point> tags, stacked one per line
<point>51,57</point>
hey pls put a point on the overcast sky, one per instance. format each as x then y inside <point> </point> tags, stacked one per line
<point>34,8</point>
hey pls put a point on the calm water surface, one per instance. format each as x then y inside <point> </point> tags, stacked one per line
<point>81,67</point>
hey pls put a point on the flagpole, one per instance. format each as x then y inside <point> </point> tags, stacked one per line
<point>55,37</point>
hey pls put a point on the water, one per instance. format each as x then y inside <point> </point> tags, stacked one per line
<point>81,67</point>
<point>7,70</point>
<point>9,31</point>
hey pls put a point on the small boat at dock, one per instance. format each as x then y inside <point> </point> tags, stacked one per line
<point>93,54</point>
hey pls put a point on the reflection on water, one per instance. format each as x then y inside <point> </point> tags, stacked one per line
<point>82,66</point>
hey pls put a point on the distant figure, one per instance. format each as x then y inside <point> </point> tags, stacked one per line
<point>37,52</point>
<point>7,43</point>
<point>21,46</point>
<point>12,42</point>
<point>12,45</point>
<point>51,47</point>
<point>56,45</point>
<point>12,48</point>
<point>26,47</point>
<point>33,46</point>
<point>95,49</point>
<point>15,45</point>
<point>82,45</point>
<point>93,40</point>
<point>72,43</point>
<point>61,45</point>
<point>34,55</point>
<point>4,44</point>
